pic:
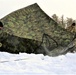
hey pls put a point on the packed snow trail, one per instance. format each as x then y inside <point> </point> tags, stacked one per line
<point>32,64</point>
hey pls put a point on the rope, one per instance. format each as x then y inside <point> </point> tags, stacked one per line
<point>47,39</point>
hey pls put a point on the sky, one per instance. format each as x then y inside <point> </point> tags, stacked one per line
<point>58,7</point>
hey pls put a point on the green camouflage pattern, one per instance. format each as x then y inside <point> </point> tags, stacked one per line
<point>31,23</point>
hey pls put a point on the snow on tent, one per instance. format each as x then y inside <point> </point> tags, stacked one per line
<point>31,30</point>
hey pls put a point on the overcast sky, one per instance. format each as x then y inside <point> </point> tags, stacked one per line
<point>59,7</point>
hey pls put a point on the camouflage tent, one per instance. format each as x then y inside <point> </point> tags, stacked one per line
<point>30,24</point>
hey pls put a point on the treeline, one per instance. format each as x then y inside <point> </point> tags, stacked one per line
<point>63,22</point>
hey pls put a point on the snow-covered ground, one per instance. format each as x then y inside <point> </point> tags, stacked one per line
<point>32,64</point>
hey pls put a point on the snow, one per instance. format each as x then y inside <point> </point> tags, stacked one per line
<point>37,64</point>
